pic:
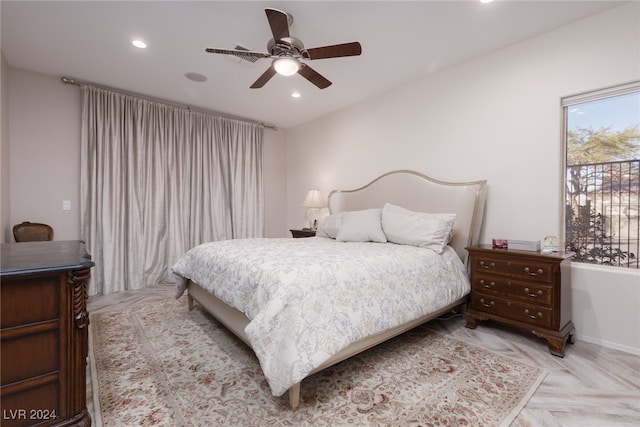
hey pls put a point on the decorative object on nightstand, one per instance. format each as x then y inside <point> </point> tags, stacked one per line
<point>305,232</point>
<point>550,244</point>
<point>524,245</point>
<point>529,290</point>
<point>314,202</point>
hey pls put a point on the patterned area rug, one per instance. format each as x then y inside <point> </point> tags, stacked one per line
<point>157,364</point>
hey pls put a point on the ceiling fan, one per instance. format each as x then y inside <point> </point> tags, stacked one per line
<point>288,52</point>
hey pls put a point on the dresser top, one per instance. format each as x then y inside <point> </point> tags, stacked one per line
<point>40,257</point>
<point>488,249</point>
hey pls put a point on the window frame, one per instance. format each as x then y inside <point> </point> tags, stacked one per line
<point>565,103</point>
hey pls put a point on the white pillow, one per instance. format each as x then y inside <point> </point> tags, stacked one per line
<point>422,229</point>
<point>361,226</point>
<point>329,226</point>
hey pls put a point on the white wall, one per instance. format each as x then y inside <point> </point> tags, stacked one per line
<point>497,118</point>
<point>44,144</point>
<point>44,134</point>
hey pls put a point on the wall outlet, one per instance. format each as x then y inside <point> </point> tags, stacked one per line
<point>66,205</point>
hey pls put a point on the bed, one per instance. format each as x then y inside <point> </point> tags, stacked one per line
<point>306,304</point>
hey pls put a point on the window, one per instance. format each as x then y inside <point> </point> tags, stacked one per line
<point>602,181</point>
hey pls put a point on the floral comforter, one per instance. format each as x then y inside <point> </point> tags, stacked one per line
<point>309,298</point>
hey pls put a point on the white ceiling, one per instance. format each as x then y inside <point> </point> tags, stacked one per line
<point>402,41</point>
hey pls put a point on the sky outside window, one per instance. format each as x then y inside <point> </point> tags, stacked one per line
<point>618,113</point>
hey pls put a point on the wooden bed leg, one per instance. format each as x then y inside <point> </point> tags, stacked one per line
<point>190,302</point>
<point>294,396</point>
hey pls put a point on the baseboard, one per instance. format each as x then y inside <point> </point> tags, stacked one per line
<point>609,344</point>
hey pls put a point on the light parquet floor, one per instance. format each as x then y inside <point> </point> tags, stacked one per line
<point>591,386</point>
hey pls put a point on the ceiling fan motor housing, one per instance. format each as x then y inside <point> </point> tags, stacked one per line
<point>288,46</point>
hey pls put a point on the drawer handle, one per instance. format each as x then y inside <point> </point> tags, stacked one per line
<point>536,316</point>
<point>487,285</point>
<point>531,294</point>
<point>487,266</point>
<point>530,273</point>
<point>491,304</point>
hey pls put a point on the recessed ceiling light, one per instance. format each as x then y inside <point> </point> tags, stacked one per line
<point>486,1</point>
<point>141,44</point>
<point>196,77</point>
<point>296,95</point>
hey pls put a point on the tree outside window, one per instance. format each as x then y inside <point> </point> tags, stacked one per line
<point>602,182</point>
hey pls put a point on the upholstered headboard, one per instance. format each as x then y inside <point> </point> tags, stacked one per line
<point>418,192</point>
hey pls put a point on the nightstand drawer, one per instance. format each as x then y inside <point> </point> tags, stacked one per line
<point>532,292</point>
<point>528,313</point>
<point>529,270</point>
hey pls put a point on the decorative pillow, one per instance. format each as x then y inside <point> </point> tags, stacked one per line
<point>329,226</point>
<point>422,229</point>
<point>361,226</point>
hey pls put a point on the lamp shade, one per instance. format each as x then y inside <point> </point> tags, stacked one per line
<point>314,199</point>
<point>286,66</point>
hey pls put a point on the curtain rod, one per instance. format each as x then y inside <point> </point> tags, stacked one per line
<point>71,81</point>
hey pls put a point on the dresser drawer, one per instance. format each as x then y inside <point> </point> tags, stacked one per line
<point>28,406</point>
<point>30,356</point>
<point>533,292</point>
<point>29,300</point>
<point>528,313</point>
<point>537,270</point>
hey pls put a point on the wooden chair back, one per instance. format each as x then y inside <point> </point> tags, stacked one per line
<point>32,232</point>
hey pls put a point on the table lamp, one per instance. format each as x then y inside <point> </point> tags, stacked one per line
<point>313,202</point>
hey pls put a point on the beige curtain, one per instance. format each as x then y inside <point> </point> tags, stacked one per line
<point>157,180</point>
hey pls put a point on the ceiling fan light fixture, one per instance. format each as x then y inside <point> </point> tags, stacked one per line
<point>286,66</point>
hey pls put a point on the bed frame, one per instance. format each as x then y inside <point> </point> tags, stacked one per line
<point>409,189</point>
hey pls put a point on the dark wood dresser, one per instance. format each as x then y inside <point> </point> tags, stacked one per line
<point>43,333</point>
<point>530,290</point>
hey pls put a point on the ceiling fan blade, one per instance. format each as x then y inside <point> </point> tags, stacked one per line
<point>279,23</point>
<point>264,78</point>
<point>333,51</point>
<point>313,76</point>
<point>238,52</point>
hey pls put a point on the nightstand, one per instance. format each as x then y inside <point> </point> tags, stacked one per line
<point>529,290</point>
<point>305,232</point>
